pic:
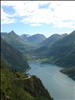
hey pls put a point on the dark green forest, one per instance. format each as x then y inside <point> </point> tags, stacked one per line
<point>13,84</point>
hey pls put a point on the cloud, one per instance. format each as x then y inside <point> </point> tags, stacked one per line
<point>36,24</point>
<point>58,13</point>
<point>6,18</point>
<point>68,24</point>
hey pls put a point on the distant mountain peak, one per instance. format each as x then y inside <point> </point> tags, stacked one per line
<point>12,32</point>
<point>25,35</point>
<point>63,35</point>
<point>73,32</point>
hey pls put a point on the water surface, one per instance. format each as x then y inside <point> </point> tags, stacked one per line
<point>60,86</point>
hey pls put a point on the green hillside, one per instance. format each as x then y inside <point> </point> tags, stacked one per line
<point>62,52</point>
<point>14,85</point>
<point>13,89</point>
<point>53,38</point>
<point>15,40</point>
<point>14,57</point>
<point>69,71</point>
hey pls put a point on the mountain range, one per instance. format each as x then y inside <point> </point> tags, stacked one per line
<point>60,52</point>
<point>23,39</point>
<point>24,43</point>
<point>57,49</point>
<point>13,39</point>
<point>34,39</point>
<point>53,38</point>
<point>13,84</point>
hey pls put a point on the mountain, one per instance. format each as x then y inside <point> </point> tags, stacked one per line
<point>61,53</point>
<point>25,37</point>
<point>53,38</point>
<point>3,34</point>
<point>15,58</point>
<point>63,35</point>
<point>15,40</point>
<point>44,46</point>
<point>41,51</point>
<point>14,86</point>
<point>34,39</point>
<point>69,71</point>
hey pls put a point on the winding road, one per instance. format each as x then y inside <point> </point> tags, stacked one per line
<point>24,78</point>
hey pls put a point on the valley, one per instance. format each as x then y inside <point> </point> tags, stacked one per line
<point>37,50</point>
<point>17,56</point>
<point>15,83</point>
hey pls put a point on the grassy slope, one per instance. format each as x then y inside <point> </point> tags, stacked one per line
<point>13,89</point>
<point>31,89</point>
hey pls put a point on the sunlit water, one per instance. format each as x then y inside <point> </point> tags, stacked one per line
<point>60,86</point>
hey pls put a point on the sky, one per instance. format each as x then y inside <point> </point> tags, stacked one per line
<point>43,17</point>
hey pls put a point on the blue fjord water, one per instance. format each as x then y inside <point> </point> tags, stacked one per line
<point>60,86</point>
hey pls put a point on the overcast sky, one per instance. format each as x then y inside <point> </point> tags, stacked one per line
<point>43,17</point>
